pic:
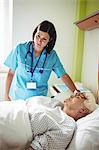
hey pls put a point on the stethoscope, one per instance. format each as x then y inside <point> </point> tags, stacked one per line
<point>31,55</point>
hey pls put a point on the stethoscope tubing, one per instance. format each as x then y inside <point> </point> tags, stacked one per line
<point>31,54</point>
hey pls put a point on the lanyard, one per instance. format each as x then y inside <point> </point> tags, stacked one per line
<point>31,54</point>
<point>32,70</point>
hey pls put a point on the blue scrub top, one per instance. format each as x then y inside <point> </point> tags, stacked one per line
<point>16,61</point>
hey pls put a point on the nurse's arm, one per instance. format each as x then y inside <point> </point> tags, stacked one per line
<point>8,84</point>
<point>68,81</point>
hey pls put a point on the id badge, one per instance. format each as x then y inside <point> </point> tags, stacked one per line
<point>31,85</point>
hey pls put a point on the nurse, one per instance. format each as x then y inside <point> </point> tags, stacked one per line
<point>31,63</point>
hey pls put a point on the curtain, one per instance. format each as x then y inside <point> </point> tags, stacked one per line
<point>6,15</point>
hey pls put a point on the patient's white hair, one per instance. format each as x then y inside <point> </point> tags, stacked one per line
<point>90,102</point>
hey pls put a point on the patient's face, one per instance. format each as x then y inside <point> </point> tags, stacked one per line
<point>75,108</point>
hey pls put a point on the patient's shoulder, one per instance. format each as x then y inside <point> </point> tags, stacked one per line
<point>43,100</point>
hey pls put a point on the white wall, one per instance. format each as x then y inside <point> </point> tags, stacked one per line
<point>29,13</point>
<point>90,61</point>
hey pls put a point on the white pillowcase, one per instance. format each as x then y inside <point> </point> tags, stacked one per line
<point>65,95</point>
<point>86,136</point>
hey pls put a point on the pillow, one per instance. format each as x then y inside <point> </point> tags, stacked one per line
<point>65,95</point>
<point>87,133</point>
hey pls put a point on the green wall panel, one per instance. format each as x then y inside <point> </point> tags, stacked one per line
<point>83,8</point>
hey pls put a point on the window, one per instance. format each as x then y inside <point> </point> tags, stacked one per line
<point>6,9</point>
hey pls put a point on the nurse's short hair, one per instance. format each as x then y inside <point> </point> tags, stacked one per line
<point>48,27</point>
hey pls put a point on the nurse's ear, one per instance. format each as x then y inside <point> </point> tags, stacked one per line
<point>50,39</point>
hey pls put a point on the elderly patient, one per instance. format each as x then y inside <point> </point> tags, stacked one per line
<point>42,123</point>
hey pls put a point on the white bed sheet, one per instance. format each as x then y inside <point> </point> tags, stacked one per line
<point>15,130</point>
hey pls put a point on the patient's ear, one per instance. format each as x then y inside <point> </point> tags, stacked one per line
<point>84,111</point>
<point>81,113</point>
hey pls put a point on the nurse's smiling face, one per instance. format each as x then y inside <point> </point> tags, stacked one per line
<point>41,39</point>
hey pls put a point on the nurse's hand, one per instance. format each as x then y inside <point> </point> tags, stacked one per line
<point>7,98</point>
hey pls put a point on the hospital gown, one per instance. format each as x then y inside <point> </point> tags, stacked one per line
<point>38,122</point>
<point>52,129</point>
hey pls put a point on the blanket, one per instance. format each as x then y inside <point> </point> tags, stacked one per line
<point>15,130</point>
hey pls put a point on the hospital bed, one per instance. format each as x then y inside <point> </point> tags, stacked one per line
<point>86,135</point>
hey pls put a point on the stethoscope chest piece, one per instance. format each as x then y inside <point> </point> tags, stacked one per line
<point>41,71</point>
